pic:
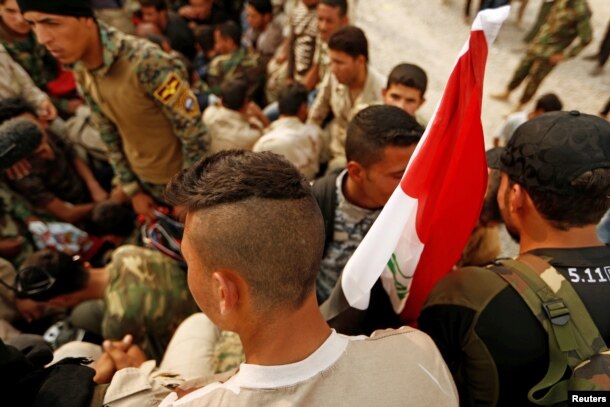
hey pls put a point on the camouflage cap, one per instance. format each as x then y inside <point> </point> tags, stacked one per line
<point>19,138</point>
<point>550,151</point>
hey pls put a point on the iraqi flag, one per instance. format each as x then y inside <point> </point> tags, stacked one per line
<point>422,230</point>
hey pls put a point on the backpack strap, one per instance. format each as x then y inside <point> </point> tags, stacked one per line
<point>573,336</point>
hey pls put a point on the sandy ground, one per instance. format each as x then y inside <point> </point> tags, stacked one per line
<point>431,34</point>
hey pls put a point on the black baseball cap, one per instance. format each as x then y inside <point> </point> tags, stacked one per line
<point>547,153</point>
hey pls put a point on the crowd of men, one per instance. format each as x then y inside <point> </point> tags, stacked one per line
<point>183,182</point>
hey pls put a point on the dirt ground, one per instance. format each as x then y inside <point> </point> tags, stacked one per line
<point>431,33</point>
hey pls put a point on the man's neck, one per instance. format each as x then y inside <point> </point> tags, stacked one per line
<point>94,56</point>
<point>98,281</point>
<point>290,337</point>
<point>546,238</point>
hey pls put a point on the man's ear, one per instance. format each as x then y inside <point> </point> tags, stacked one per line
<point>227,291</point>
<point>356,171</point>
<point>517,198</point>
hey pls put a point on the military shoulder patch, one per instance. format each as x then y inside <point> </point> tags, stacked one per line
<point>168,90</point>
<point>175,93</point>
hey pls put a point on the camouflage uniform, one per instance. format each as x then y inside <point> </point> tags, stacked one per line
<point>15,81</point>
<point>147,296</point>
<point>14,212</point>
<point>35,59</point>
<point>240,64</point>
<point>568,19</point>
<point>146,114</point>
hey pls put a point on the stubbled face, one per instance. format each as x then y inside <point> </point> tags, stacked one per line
<point>12,18</point>
<point>67,38</point>
<point>329,20</point>
<point>344,67</point>
<point>382,177</point>
<point>404,97</point>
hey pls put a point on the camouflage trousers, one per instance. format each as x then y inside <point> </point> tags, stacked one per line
<point>535,69</point>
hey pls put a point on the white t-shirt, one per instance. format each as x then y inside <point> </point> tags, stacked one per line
<point>392,368</point>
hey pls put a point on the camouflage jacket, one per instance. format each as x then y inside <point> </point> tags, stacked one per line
<point>32,56</point>
<point>241,64</point>
<point>35,59</point>
<point>147,296</point>
<point>567,20</point>
<point>163,80</point>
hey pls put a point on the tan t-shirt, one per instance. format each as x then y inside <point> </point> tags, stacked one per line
<point>392,368</point>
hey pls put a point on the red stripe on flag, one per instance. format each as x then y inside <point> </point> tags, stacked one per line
<point>448,176</point>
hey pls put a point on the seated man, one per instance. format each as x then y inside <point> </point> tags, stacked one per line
<point>202,12</point>
<point>59,182</point>
<point>144,292</point>
<point>379,144</point>
<point>265,33</point>
<point>236,122</point>
<point>332,15</point>
<point>289,136</point>
<point>15,82</point>
<point>253,241</point>
<point>406,88</point>
<point>171,25</point>
<point>555,178</point>
<point>349,88</point>
<point>233,61</point>
<point>546,103</point>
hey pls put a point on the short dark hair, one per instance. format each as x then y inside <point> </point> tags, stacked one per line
<point>19,139</point>
<point>409,75</point>
<point>230,30</point>
<point>377,127</point>
<point>549,102</point>
<point>262,6</point>
<point>234,94</point>
<point>350,40</point>
<point>340,4</point>
<point>291,98</point>
<point>13,107</point>
<point>204,36</point>
<point>69,274</point>
<point>267,225</point>
<point>159,5</point>
<point>112,218</point>
<point>576,210</point>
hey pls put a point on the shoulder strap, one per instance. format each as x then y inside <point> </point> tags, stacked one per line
<point>325,192</point>
<point>573,336</point>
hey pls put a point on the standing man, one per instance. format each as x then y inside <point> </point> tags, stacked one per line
<point>555,178</point>
<point>139,96</point>
<point>568,20</point>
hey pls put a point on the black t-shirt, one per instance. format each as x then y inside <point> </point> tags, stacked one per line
<point>515,341</point>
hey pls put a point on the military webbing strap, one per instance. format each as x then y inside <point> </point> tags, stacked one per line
<point>572,334</point>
